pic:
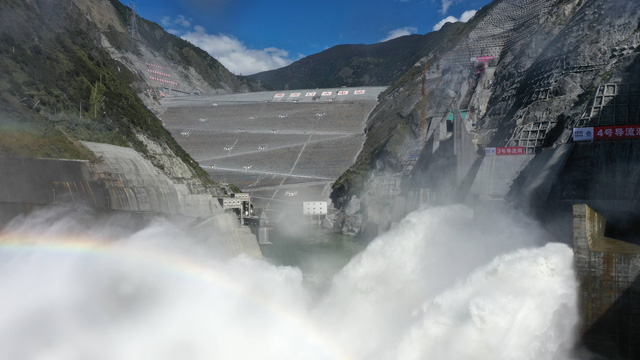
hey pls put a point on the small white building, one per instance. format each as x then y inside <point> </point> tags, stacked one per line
<point>314,207</point>
<point>314,211</point>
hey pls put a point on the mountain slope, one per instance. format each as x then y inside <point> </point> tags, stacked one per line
<point>71,71</point>
<point>553,61</point>
<point>356,65</point>
<point>193,68</point>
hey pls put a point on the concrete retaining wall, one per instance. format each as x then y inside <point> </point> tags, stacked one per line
<point>608,272</point>
<point>132,183</point>
<point>49,181</point>
<point>496,174</point>
<point>121,180</point>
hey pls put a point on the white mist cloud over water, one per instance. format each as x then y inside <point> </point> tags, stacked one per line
<point>442,285</point>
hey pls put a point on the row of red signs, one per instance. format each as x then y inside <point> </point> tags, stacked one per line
<point>512,150</point>
<point>606,132</point>
<point>163,80</point>
<point>155,66</point>
<point>158,72</point>
<point>326,93</point>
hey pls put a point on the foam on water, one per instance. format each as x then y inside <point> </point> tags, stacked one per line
<point>439,286</point>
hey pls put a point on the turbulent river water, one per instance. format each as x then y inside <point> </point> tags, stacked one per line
<point>441,285</point>
<point>317,253</point>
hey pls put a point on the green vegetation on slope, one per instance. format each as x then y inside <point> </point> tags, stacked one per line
<point>38,141</point>
<point>176,49</point>
<point>56,74</point>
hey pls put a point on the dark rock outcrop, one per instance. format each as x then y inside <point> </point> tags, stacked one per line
<point>556,65</point>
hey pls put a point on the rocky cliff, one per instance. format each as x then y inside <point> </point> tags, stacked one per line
<point>520,75</point>
<point>80,87</point>
<point>80,70</point>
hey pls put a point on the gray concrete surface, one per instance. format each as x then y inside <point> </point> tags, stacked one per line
<point>281,149</point>
<point>496,174</point>
<point>608,272</point>
<point>123,181</point>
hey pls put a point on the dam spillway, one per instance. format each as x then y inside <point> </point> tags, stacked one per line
<point>282,147</point>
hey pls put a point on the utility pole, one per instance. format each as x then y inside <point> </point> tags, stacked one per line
<point>425,124</point>
<point>133,26</point>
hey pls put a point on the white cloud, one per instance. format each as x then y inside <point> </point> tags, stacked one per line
<point>182,21</point>
<point>234,55</point>
<point>407,30</point>
<point>445,6</point>
<point>466,16</point>
<point>448,19</point>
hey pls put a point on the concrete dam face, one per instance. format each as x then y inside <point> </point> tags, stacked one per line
<point>281,147</point>
<point>120,183</point>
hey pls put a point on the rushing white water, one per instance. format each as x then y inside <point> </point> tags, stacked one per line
<point>439,286</point>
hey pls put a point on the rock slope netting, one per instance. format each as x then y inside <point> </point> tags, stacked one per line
<point>518,77</point>
<point>534,105</point>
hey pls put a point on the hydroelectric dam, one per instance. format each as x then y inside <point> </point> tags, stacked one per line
<point>282,147</point>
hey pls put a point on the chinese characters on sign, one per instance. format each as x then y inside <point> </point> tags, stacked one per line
<point>606,132</point>
<point>514,150</point>
<point>343,92</point>
<point>279,95</point>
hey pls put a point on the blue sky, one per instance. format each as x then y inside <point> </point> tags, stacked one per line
<point>257,35</point>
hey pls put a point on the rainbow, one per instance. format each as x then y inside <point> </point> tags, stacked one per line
<point>17,243</point>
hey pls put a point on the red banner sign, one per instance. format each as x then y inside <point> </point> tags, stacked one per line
<point>606,133</point>
<point>513,150</point>
<point>616,132</point>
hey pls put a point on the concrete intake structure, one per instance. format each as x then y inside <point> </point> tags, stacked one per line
<point>607,270</point>
<point>120,180</point>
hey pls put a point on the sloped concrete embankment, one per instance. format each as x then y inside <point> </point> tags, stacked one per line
<point>120,180</point>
